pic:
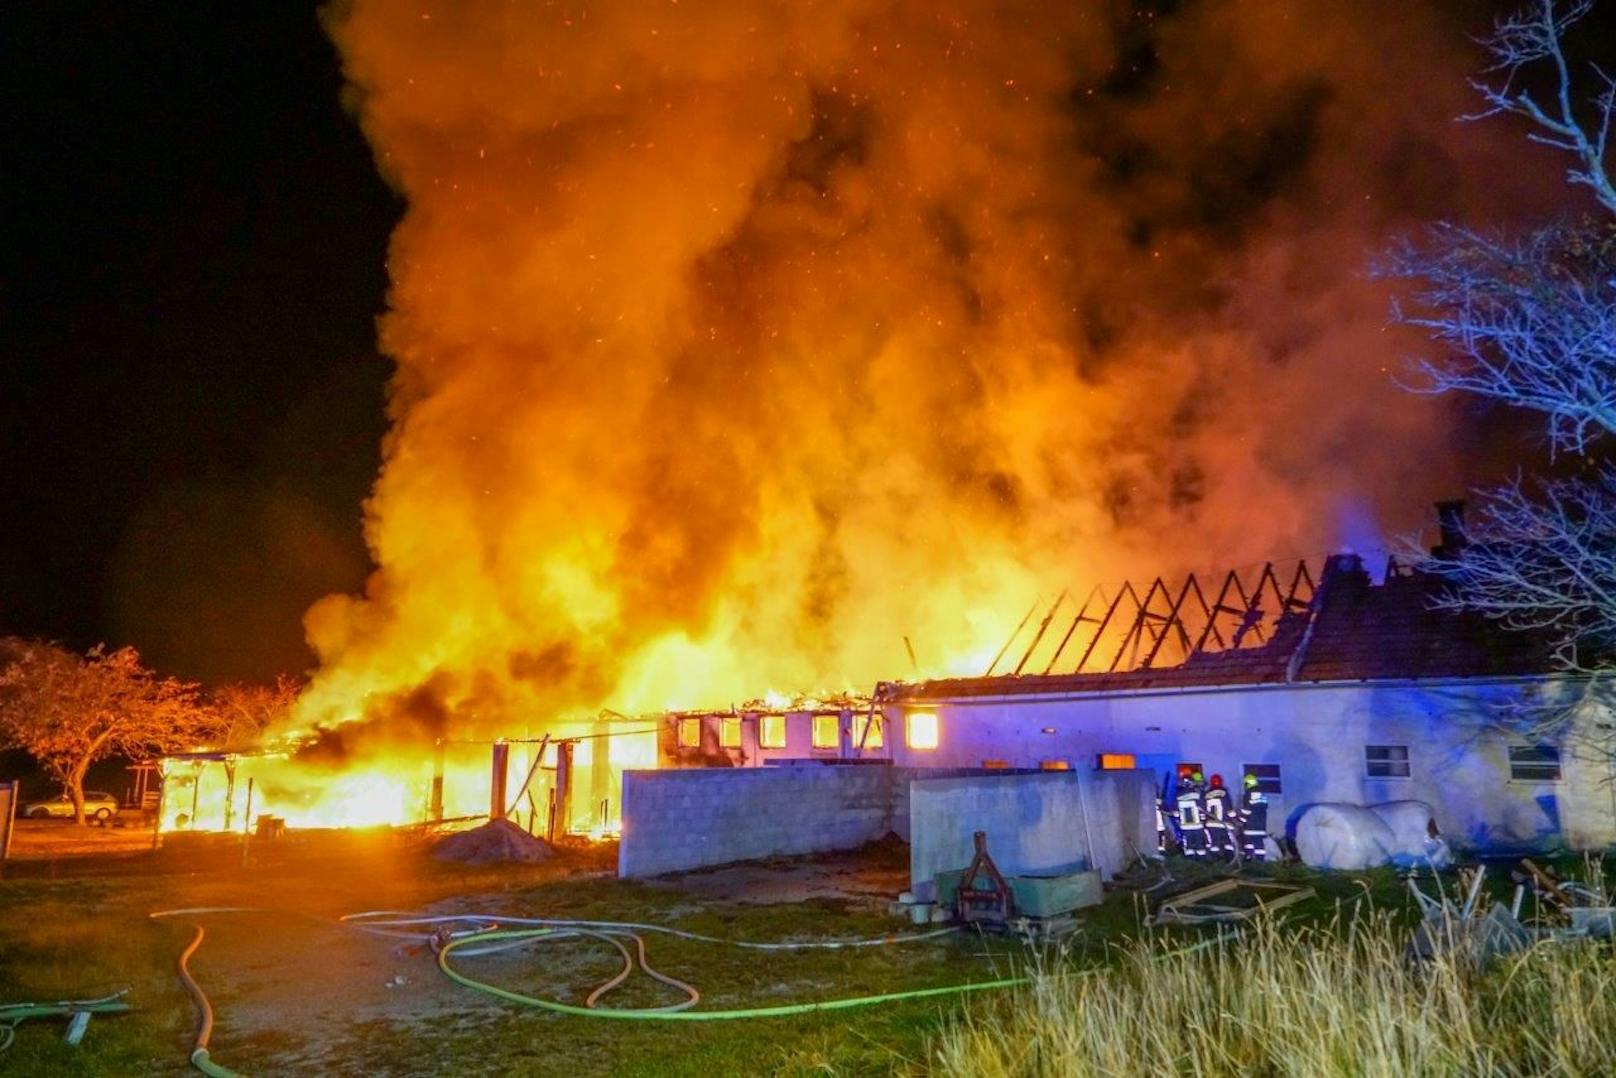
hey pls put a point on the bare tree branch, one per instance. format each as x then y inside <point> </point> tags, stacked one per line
<point>1531,322</point>
<point>1528,322</point>
<point>1530,36</point>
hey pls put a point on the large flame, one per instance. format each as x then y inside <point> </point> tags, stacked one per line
<point>738,341</point>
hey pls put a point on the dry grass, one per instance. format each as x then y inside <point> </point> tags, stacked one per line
<point>1335,999</point>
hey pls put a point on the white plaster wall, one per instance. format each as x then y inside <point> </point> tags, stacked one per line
<point>1317,734</point>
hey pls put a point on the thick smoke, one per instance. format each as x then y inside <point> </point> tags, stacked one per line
<point>737,340</point>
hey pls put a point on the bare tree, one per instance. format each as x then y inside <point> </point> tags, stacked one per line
<point>69,711</point>
<point>1534,35</point>
<point>245,711</point>
<point>1530,321</point>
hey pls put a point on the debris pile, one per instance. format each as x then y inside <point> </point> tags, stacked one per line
<point>1475,931</point>
<point>1227,901</point>
<point>495,842</point>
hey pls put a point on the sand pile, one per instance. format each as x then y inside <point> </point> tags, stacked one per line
<point>494,842</point>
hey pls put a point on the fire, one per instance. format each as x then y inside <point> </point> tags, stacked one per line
<point>744,345</point>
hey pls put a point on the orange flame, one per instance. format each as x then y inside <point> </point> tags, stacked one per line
<point>738,342</point>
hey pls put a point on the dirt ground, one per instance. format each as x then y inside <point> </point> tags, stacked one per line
<point>48,840</point>
<point>297,992</point>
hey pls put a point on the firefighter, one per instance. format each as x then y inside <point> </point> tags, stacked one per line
<point>1192,817</point>
<point>1254,822</point>
<point>1219,815</point>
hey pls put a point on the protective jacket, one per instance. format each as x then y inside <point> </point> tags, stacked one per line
<point>1218,819</point>
<point>1254,825</point>
<point>1191,821</point>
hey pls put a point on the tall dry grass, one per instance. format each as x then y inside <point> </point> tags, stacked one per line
<point>1331,1000</point>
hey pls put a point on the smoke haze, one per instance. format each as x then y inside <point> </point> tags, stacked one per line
<point>736,341</point>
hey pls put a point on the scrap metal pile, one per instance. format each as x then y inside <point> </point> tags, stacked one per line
<point>1475,931</point>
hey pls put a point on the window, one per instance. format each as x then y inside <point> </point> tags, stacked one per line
<point>871,732</point>
<point>1386,761</point>
<point>1534,763</point>
<point>729,733</point>
<point>920,729</point>
<point>690,733</point>
<point>1054,765</point>
<point>1267,777</point>
<point>1114,761</point>
<point>827,731</point>
<point>771,731</point>
<point>995,765</point>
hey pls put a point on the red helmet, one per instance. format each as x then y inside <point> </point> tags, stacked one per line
<point>1217,782</point>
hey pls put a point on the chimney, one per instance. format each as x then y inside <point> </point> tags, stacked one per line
<point>1343,568</point>
<point>1450,522</point>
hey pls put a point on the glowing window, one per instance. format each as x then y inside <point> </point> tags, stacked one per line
<point>996,765</point>
<point>826,731</point>
<point>871,732</point>
<point>920,729</point>
<point>1054,765</point>
<point>1114,761</point>
<point>729,733</point>
<point>690,733</point>
<point>772,731</point>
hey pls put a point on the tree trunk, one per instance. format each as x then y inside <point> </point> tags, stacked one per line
<point>75,789</point>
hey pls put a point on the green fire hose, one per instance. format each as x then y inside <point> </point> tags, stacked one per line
<point>664,1015</point>
<point>14,1014</point>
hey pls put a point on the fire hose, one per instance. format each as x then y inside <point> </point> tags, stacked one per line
<point>14,1014</point>
<point>482,934</point>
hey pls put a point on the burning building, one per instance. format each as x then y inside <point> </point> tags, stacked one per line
<point>1327,683</point>
<point>794,346</point>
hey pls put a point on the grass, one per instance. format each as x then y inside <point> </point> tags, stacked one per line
<point>1305,995</point>
<point>289,1001</point>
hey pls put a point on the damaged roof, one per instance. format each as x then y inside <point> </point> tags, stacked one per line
<point>1351,629</point>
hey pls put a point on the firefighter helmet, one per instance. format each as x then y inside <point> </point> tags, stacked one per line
<point>1217,782</point>
<point>1197,777</point>
<point>1251,781</point>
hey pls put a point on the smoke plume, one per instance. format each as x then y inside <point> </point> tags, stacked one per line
<point>738,340</point>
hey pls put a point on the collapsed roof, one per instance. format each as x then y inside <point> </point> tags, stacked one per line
<point>1272,625</point>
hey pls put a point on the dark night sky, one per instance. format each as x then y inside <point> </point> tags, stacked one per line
<point>193,261</point>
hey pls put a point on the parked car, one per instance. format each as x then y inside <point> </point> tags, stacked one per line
<point>97,806</point>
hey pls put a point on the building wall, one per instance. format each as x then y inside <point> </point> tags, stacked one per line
<point>1317,735</point>
<point>681,819</point>
<point>1035,823</point>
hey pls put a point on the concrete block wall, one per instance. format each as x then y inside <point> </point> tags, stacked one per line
<point>676,820</point>
<point>902,777</point>
<point>1038,823</point>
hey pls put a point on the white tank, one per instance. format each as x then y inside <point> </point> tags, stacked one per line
<point>1338,835</point>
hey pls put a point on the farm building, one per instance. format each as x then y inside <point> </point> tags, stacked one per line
<point>1327,684</point>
